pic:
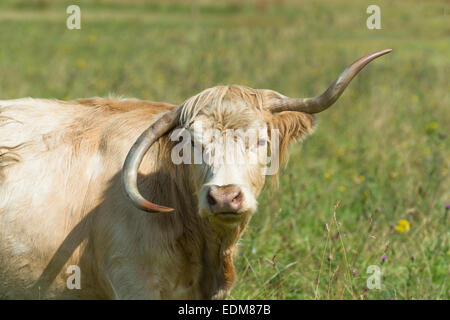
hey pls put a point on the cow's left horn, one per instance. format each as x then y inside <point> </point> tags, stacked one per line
<point>326,99</point>
<point>135,156</point>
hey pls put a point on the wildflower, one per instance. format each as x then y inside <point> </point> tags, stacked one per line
<point>328,175</point>
<point>447,206</point>
<point>383,258</point>
<point>365,194</point>
<point>432,126</point>
<point>355,272</point>
<point>342,188</point>
<point>81,63</point>
<point>413,257</point>
<point>340,152</point>
<point>402,226</point>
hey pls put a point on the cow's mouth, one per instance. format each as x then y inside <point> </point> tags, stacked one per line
<point>229,216</point>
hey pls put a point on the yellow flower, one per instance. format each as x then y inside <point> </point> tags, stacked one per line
<point>340,152</point>
<point>328,175</point>
<point>342,188</point>
<point>432,126</point>
<point>81,63</point>
<point>402,226</point>
<point>365,194</point>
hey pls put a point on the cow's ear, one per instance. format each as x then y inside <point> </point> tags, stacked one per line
<point>292,126</point>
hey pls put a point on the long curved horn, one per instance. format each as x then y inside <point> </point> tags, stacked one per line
<point>326,99</point>
<point>135,156</point>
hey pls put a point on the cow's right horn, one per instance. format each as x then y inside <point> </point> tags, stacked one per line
<point>135,156</point>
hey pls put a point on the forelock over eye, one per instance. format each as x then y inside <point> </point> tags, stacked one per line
<point>262,142</point>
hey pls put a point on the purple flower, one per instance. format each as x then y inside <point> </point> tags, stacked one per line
<point>383,258</point>
<point>447,206</point>
<point>355,272</point>
<point>413,257</point>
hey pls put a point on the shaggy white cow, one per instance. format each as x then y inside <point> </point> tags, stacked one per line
<point>71,191</point>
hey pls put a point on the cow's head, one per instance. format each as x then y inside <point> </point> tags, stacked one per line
<point>226,134</point>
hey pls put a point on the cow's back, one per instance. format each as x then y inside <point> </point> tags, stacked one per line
<point>56,161</point>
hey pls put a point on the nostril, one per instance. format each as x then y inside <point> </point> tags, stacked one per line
<point>210,199</point>
<point>238,198</point>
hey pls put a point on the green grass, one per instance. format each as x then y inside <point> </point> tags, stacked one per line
<point>383,150</point>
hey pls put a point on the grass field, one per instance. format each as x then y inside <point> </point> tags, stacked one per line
<point>382,152</point>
